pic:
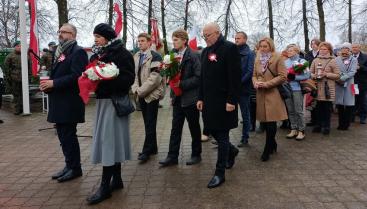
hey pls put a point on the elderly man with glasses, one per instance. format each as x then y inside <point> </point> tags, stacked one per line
<point>219,94</point>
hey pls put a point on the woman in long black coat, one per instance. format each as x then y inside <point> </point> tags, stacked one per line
<point>111,138</point>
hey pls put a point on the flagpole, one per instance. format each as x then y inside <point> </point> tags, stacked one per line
<point>24,50</point>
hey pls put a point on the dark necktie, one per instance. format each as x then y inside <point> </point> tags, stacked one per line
<point>141,59</point>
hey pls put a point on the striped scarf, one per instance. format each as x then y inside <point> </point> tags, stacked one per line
<point>62,47</point>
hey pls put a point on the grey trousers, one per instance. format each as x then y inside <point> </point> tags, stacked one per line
<point>295,111</point>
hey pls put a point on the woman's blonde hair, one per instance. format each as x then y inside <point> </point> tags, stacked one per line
<point>269,41</point>
<point>295,48</point>
<point>328,46</point>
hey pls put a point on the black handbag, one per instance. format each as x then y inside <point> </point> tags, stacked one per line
<point>122,104</point>
<point>285,89</point>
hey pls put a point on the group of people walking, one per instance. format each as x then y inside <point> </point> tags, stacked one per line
<point>224,77</point>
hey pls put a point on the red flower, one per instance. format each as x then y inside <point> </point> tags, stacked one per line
<point>212,57</point>
<point>61,58</point>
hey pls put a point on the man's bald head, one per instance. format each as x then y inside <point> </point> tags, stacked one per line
<point>211,33</point>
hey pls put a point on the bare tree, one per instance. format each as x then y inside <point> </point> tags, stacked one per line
<point>62,8</point>
<point>110,12</point>
<point>9,22</point>
<point>124,13</point>
<point>150,14</point>
<point>164,27</point>
<point>320,9</point>
<point>305,25</point>
<point>271,21</point>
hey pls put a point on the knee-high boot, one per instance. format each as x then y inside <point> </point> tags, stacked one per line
<point>104,191</point>
<point>116,182</point>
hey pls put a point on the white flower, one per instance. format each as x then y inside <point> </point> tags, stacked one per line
<point>107,71</point>
<point>167,59</point>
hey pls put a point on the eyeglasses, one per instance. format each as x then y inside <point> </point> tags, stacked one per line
<point>62,31</point>
<point>206,36</point>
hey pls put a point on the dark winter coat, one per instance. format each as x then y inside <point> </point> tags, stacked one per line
<point>65,104</point>
<point>190,79</point>
<point>220,84</point>
<point>124,61</point>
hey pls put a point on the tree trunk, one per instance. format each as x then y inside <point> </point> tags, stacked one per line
<point>350,21</point>
<point>164,28</point>
<point>150,11</point>
<point>271,21</point>
<point>62,8</point>
<point>305,26</point>
<point>110,12</point>
<point>320,10</point>
<point>186,13</point>
<point>124,22</point>
<point>226,23</point>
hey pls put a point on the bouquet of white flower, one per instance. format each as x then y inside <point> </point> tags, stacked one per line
<point>94,73</point>
<point>101,71</point>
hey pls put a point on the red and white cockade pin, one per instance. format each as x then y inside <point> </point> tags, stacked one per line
<point>212,57</point>
<point>346,62</point>
<point>61,58</point>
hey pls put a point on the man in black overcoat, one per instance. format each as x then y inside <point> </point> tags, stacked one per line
<point>361,79</point>
<point>66,108</point>
<point>219,94</point>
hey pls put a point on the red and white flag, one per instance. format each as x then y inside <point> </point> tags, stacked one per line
<point>193,40</point>
<point>33,41</point>
<point>119,21</point>
<point>155,34</point>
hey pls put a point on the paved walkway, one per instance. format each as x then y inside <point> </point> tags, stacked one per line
<point>320,172</point>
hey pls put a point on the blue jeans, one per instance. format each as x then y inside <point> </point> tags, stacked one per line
<point>245,112</point>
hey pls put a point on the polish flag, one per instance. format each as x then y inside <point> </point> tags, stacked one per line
<point>33,42</point>
<point>155,34</point>
<point>193,43</point>
<point>119,21</point>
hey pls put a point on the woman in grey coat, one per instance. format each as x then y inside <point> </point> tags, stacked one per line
<point>344,90</point>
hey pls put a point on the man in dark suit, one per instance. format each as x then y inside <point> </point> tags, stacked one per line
<point>184,105</point>
<point>66,108</point>
<point>219,94</point>
<point>361,80</point>
<point>247,68</point>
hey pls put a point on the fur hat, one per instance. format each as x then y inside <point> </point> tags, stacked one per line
<point>105,30</point>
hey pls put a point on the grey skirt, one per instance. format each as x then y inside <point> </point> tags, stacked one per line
<point>111,138</point>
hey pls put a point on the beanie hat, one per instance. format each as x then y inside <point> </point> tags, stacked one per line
<point>105,30</point>
<point>16,43</point>
<point>52,43</point>
<point>346,45</point>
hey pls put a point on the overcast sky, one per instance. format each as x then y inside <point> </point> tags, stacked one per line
<point>248,23</point>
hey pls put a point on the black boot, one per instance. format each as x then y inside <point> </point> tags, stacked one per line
<point>116,182</point>
<point>104,191</point>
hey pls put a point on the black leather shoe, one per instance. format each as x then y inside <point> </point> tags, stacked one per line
<point>242,144</point>
<point>143,157</point>
<point>216,181</point>
<point>116,184</point>
<point>70,175</point>
<point>326,131</point>
<point>316,129</point>
<point>60,173</point>
<point>102,193</point>
<point>231,159</point>
<point>169,161</point>
<point>194,160</point>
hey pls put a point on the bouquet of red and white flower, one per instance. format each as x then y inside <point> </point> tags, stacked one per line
<point>94,73</point>
<point>170,68</point>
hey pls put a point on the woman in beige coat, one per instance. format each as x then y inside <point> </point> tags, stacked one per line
<point>270,107</point>
<point>325,71</point>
